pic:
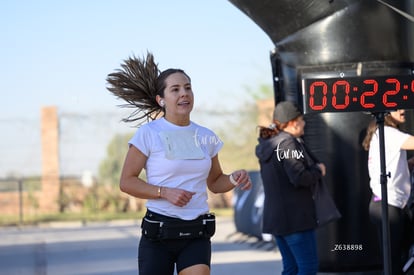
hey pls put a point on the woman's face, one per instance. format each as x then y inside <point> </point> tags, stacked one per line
<point>301,126</point>
<point>178,97</point>
<point>398,116</point>
<point>297,127</point>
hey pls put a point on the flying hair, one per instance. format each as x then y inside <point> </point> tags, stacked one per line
<point>136,83</point>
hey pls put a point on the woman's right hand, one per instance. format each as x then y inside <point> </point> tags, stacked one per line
<point>176,196</point>
<point>322,167</point>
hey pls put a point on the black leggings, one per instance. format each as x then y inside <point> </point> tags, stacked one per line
<point>399,232</point>
<point>161,257</point>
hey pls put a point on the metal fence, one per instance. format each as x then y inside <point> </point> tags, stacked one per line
<point>83,140</point>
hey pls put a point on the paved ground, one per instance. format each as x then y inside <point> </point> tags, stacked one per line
<point>235,253</point>
<point>111,248</point>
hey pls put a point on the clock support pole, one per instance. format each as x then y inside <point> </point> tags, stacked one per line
<point>384,196</point>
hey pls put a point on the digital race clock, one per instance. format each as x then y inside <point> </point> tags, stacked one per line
<point>370,93</point>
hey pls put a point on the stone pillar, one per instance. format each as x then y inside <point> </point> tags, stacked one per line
<point>49,196</point>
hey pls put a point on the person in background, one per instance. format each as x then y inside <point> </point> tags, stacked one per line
<point>396,144</point>
<point>289,175</point>
<point>181,161</point>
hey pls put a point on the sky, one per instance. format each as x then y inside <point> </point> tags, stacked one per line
<point>58,53</point>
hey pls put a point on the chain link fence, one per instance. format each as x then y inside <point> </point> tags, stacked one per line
<point>83,142</point>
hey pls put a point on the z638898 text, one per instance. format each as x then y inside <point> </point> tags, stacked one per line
<point>347,247</point>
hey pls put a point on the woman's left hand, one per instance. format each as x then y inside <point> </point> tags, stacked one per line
<point>242,178</point>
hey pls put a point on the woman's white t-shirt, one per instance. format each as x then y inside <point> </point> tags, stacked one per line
<point>178,157</point>
<point>398,184</point>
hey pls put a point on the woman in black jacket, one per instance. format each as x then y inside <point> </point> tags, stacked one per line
<point>289,175</point>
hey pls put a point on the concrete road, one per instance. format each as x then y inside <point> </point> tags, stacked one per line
<point>111,248</point>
